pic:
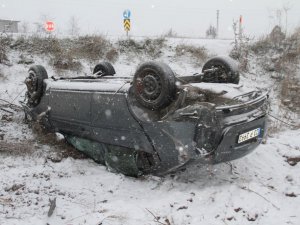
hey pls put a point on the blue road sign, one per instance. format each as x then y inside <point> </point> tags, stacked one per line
<point>126,14</point>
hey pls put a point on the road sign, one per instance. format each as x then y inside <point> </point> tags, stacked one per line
<point>127,25</point>
<point>127,14</point>
<point>49,26</point>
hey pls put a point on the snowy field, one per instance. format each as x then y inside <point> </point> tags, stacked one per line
<point>261,188</point>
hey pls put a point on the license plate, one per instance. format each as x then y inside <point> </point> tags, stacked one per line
<point>248,135</point>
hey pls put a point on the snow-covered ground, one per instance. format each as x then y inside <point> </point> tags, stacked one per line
<point>261,188</point>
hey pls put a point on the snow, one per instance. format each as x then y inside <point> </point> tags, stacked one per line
<point>221,47</point>
<point>226,90</point>
<point>255,187</point>
<point>104,85</point>
<point>86,193</point>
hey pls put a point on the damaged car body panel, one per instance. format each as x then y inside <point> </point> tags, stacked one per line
<point>133,129</point>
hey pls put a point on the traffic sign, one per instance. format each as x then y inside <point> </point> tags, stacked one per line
<point>49,26</point>
<point>127,14</point>
<point>127,25</point>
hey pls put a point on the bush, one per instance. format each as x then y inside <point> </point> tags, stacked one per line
<point>129,45</point>
<point>261,46</point>
<point>3,55</point>
<point>280,55</point>
<point>5,42</point>
<point>152,47</point>
<point>276,36</point>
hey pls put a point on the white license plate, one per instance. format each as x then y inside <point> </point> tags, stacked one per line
<point>248,135</point>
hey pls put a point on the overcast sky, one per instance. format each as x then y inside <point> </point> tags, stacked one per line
<point>153,17</point>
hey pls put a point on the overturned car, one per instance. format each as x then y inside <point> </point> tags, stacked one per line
<point>154,122</point>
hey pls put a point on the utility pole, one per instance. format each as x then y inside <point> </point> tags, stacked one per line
<point>218,15</point>
<point>278,15</point>
<point>286,8</point>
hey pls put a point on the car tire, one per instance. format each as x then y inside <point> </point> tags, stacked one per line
<point>106,68</point>
<point>154,85</point>
<point>34,82</point>
<point>227,72</point>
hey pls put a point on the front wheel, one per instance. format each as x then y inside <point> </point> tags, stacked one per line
<point>221,69</point>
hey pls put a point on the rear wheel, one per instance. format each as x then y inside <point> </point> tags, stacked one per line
<point>154,85</point>
<point>104,69</point>
<point>34,82</point>
<point>221,70</point>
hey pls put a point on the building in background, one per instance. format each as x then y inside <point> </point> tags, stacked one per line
<point>9,26</point>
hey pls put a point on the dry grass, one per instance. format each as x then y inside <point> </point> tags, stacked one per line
<point>17,148</point>
<point>65,54</point>
<point>91,48</point>
<point>281,54</point>
<point>59,147</point>
<point>37,44</point>
<point>112,55</point>
<point>66,61</point>
<point>198,54</point>
<point>290,92</point>
<point>2,76</point>
<point>283,118</point>
<point>149,47</point>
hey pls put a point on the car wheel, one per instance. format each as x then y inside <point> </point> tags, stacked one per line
<point>104,69</point>
<point>221,70</point>
<point>154,85</point>
<point>34,82</point>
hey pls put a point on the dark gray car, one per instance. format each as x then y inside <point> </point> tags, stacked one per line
<point>153,122</point>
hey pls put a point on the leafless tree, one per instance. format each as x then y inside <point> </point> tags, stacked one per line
<point>170,33</point>
<point>24,27</point>
<point>40,25</point>
<point>73,26</point>
<point>279,15</point>
<point>211,32</point>
<point>286,9</point>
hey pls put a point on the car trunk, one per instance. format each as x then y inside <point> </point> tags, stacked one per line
<point>229,111</point>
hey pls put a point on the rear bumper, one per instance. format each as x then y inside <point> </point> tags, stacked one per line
<point>229,149</point>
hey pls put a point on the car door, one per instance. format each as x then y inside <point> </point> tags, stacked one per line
<point>71,111</point>
<point>112,122</point>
